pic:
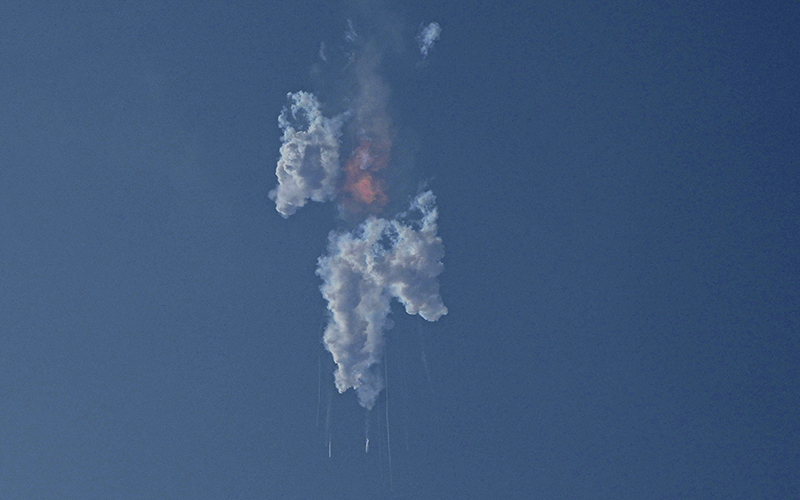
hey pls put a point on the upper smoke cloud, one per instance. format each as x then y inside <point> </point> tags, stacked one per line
<point>309,164</point>
<point>427,36</point>
<point>362,272</point>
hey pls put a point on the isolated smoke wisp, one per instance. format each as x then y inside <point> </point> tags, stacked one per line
<point>427,36</point>
<point>308,168</point>
<point>363,271</point>
<point>350,35</point>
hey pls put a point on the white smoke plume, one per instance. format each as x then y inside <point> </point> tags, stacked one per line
<point>363,271</point>
<point>384,257</point>
<point>427,36</point>
<point>308,168</point>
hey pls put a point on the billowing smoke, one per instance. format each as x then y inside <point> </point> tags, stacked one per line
<point>384,257</point>
<point>363,271</point>
<point>309,164</point>
<point>427,36</point>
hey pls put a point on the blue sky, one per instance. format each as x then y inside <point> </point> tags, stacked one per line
<point>618,187</point>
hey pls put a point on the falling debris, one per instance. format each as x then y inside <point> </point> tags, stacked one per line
<point>388,434</point>
<point>366,433</point>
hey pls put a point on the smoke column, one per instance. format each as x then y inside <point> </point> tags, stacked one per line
<point>363,270</point>
<point>309,164</point>
<point>382,258</point>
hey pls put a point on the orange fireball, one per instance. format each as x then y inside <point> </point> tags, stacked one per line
<point>366,190</point>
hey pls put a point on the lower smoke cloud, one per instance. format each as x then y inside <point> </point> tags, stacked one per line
<point>364,269</point>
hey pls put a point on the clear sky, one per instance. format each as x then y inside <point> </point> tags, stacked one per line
<point>618,187</point>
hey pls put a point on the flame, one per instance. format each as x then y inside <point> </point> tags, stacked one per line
<point>367,191</point>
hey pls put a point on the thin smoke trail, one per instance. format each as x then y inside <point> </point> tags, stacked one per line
<point>380,452</point>
<point>425,359</point>
<point>388,434</point>
<point>319,384</point>
<point>328,422</point>
<point>404,397</point>
<point>366,432</point>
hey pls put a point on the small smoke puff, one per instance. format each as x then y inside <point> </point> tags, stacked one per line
<point>427,36</point>
<point>350,35</point>
<point>363,271</point>
<point>308,168</point>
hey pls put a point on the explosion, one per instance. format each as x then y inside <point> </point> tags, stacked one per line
<point>367,192</point>
<point>380,257</point>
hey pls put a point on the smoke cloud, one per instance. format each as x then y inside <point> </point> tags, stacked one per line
<point>308,168</point>
<point>383,258</point>
<point>427,36</point>
<point>364,270</point>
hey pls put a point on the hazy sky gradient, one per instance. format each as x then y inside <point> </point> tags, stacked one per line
<point>619,199</point>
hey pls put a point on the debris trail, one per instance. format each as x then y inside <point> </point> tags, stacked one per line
<point>328,421</point>
<point>388,434</point>
<point>319,383</point>
<point>366,433</point>
<point>425,360</point>
<point>404,396</point>
<point>380,451</point>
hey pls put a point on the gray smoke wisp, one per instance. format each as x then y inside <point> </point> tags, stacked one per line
<point>383,259</point>
<point>427,36</point>
<point>308,168</point>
